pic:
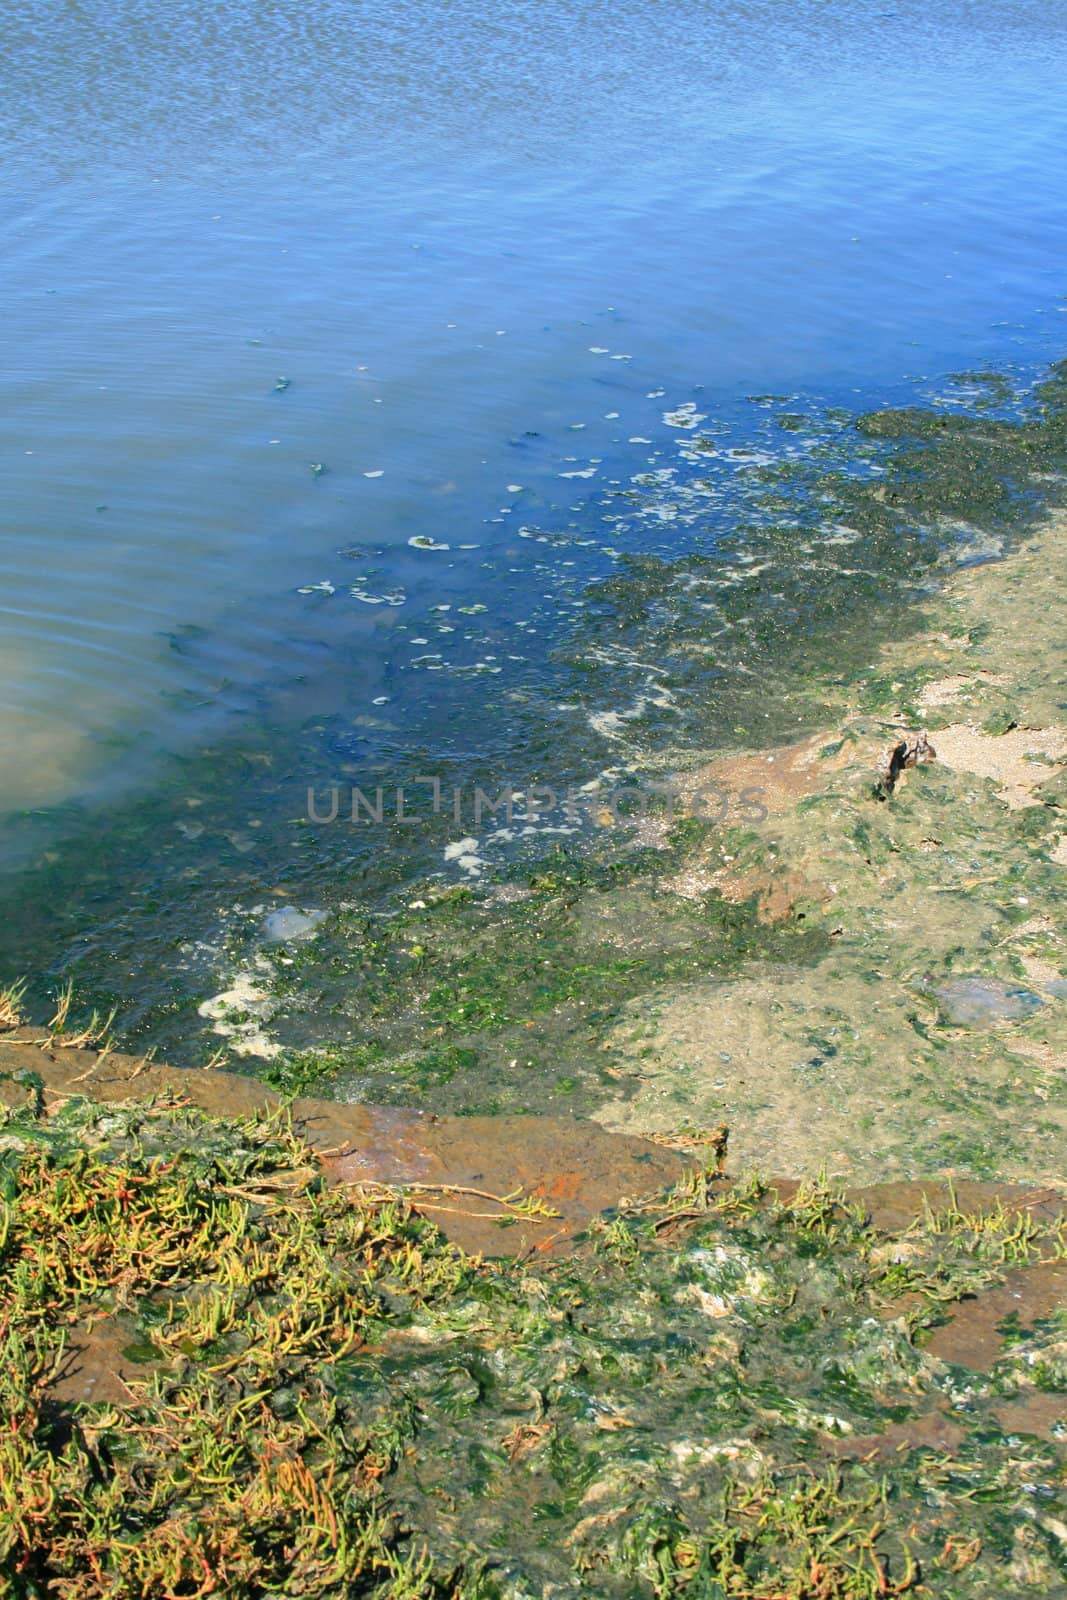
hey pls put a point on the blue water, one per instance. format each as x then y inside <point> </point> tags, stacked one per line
<point>426,219</point>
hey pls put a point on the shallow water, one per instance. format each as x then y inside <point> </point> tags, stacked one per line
<point>424,225</point>
<point>287,290</point>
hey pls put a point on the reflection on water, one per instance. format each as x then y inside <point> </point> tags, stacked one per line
<point>283,282</point>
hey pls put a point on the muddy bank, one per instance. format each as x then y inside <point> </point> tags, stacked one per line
<point>459,1169</point>
<point>685,1382</point>
<point>578,1170</point>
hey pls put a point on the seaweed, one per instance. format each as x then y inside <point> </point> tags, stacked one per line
<point>319,1395</point>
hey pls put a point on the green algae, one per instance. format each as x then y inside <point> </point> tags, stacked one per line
<point>330,1400</point>
<point>842,553</point>
<point>774,627</point>
<point>447,999</point>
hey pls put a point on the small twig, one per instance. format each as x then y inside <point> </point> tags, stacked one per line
<point>88,1074</point>
<point>538,1211</point>
<point>479,1216</point>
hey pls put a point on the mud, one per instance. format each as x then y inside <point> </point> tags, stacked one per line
<point>576,1168</point>
<point>932,1431</point>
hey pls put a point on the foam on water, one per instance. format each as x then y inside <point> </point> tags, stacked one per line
<point>254,325</point>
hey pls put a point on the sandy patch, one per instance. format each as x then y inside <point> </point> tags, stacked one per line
<point>1006,758</point>
<point>960,685</point>
<point>789,1072</point>
<point>1050,1058</point>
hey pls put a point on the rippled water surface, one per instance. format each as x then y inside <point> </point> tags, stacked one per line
<point>448,228</point>
<point>329,330</point>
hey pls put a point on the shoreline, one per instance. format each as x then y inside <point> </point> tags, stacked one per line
<point>248,1344</point>
<point>944,904</point>
<point>752,629</point>
<point>942,894</point>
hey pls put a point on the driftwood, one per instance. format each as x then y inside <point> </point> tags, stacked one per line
<point>911,751</point>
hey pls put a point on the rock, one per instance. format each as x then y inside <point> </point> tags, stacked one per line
<point>911,751</point>
<point>288,924</point>
<point>983,1002</point>
<point>575,1169</point>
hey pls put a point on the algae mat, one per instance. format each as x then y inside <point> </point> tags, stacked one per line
<point>932,1036</point>
<point>221,1377</point>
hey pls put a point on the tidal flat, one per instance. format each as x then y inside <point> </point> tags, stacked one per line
<point>260,1345</point>
<point>930,1033</point>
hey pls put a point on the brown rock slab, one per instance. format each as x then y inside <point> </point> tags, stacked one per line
<point>891,1206</point>
<point>973,1339</point>
<point>577,1169</point>
<point>931,1431</point>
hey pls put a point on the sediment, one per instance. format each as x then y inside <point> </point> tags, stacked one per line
<point>257,1343</point>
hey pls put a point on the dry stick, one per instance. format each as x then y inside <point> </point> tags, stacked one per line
<point>300,1175</point>
<point>458,1188</point>
<point>717,1139</point>
<point>482,1216</point>
<point>451,1189</point>
<point>101,1057</point>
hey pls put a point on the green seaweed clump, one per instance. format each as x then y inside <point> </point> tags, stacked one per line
<point>220,1377</point>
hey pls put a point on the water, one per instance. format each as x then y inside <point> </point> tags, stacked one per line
<point>288,288</point>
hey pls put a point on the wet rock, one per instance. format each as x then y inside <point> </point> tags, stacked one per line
<point>911,751</point>
<point>974,1335</point>
<point>891,1207</point>
<point>983,1002</point>
<point>459,1168</point>
<point>288,923</point>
